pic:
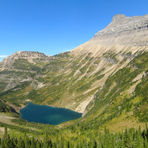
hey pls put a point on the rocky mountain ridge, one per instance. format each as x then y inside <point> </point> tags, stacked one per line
<point>120,23</point>
<point>30,56</point>
<point>123,34</point>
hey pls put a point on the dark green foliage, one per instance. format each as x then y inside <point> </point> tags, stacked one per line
<point>129,138</point>
<point>5,108</point>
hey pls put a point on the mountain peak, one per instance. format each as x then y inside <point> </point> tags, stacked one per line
<point>122,27</point>
<point>28,55</point>
<point>118,16</point>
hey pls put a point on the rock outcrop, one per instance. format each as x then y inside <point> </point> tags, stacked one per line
<point>126,31</point>
<point>121,23</point>
<point>30,56</point>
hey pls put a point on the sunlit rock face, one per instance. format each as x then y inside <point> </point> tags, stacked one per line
<point>123,32</point>
<point>126,30</point>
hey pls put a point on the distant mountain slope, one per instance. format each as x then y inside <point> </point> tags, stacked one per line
<point>100,78</point>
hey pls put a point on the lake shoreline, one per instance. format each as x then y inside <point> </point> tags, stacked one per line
<point>48,114</point>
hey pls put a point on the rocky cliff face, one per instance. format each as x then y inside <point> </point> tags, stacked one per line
<point>120,23</point>
<point>123,31</point>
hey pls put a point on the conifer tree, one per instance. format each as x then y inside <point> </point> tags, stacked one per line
<point>100,141</point>
<point>122,143</point>
<point>46,141</point>
<point>54,145</point>
<point>27,141</point>
<point>10,143</point>
<point>33,143</point>
<point>62,142</point>
<point>15,141</point>
<point>67,144</point>
<point>99,145</point>
<point>78,145</point>
<point>2,144</point>
<point>38,144</point>
<point>145,143</point>
<point>4,141</point>
<point>138,141</point>
<point>127,139</point>
<point>85,144</point>
<point>50,144</point>
<point>113,141</point>
<point>20,143</point>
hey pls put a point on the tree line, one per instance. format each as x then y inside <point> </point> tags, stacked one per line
<point>129,138</point>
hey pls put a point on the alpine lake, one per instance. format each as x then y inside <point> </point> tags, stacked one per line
<point>48,114</point>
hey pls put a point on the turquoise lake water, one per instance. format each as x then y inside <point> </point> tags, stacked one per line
<point>48,114</point>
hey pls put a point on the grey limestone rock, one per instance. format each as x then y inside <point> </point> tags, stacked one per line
<point>118,16</point>
<point>120,23</point>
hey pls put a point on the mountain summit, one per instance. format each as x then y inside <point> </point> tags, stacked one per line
<point>122,31</point>
<point>118,17</point>
<point>30,56</point>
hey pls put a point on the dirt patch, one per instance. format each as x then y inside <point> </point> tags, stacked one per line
<point>82,106</point>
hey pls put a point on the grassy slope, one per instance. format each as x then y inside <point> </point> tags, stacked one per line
<point>117,107</point>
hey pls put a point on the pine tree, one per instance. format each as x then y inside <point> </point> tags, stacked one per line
<point>67,144</point>
<point>145,143</point>
<point>33,143</point>
<point>10,143</point>
<point>138,141</point>
<point>54,145</point>
<point>27,141</point>
<point>20,143</point>
<point>50,144</point>
<point>113,141</point>
<point>4,141</point>
<point>62,142</point>
<point>38,145</point>
<point>127,139</point>
<point>78,145</point>
<point>99,145</point>
<point>46,141</point>
<point>2,144</point>
<point>100,141</point>
<point>85,145</point>
<point>15,141</point>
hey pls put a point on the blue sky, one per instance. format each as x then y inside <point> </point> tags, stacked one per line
<point>55,26</point>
